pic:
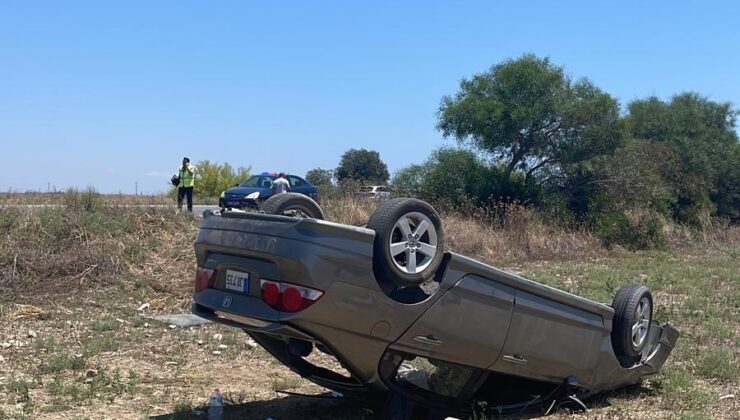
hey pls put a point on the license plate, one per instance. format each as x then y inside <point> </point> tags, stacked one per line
<point>237,281</point>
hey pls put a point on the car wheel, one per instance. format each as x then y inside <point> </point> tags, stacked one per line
<point>293,204</point>
<point>409,241</point>
<point>633,315</point>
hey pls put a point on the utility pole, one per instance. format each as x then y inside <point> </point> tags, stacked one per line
<point>136,188</point>
<point>48,187</point>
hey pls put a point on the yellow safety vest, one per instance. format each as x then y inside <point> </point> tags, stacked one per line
<point>187,180</point>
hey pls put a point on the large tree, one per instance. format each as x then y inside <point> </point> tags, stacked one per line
<point>362,165</point>
<point>701,137</point>
<point>528,114</point>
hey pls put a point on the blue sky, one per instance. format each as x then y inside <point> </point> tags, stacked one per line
<point>112,93</point>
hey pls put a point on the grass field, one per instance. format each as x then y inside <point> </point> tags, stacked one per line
<point>74,344</point>
<point>62,197</point>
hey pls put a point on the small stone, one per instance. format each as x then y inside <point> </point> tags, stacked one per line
<point>172,326</point>
<point>2,359</point>
<point>218,337</point>
<point>91,373</point>
<point>223,346</point>
<point>146,325</point>
<point>120,320</point>
<point>199,342</point>
<point>5,345</point>
<point>251,343</point>
<point>32,334</point>
<point>143,306</point>
<point>216,353</point>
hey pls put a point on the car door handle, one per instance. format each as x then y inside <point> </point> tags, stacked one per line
<point>429,339</point>
<point>519,360</point>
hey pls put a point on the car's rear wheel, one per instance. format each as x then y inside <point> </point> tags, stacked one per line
<point>409,241</point>
<point>633,316</point>
<point>293,204</point>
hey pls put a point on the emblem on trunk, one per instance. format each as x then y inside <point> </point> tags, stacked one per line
<point>227,302</point>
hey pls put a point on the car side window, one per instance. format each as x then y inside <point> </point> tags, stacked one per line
<point>295,181</point>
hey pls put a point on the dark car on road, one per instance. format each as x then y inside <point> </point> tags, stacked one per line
<point>405,318</point>
<point>258,188</point>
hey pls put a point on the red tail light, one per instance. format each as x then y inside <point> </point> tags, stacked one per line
<point>288,297</point>
<point>205,278</point>
<point>271,293</point>
<point>292,299</point>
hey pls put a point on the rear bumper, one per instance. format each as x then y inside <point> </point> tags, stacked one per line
<point>243,312</point>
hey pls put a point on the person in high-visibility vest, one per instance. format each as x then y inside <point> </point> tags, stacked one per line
<point>186,172</point>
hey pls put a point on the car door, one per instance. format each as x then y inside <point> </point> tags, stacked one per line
<point>468,325</point>
<point>297,185</point>
<point>551,340</point>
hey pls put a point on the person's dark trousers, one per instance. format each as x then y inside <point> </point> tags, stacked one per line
<point>183,192</point>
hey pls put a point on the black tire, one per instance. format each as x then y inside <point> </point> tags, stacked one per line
<point>628,312</point>
<point>398,269</point>
<point>285,202</point>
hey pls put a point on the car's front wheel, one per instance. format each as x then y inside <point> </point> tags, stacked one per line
<point>633,316</point>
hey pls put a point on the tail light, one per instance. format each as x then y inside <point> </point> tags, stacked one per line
<point>205,278</point>
<point>288,297</point>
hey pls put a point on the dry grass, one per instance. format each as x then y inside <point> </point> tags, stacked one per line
<point>349,210</point>
<point>76,280</point>
<point>37,198</point>
<point>521,237</point>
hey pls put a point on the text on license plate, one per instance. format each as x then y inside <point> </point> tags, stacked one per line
<point>237,280</point>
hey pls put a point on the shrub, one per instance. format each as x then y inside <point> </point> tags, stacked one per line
<point>637,232</point>
<point>88,200</point>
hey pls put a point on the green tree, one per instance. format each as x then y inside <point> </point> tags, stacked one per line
<point>639,175</point>
<point>456,177</point>
<point>409,180</point>
<point>320,177</point>
<point>528,114</point>
<point>363,166</point>
<point>701,137</point>
<point>213,177</point>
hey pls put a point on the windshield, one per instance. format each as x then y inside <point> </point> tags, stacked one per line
<point>259,181</point>
<point>366,189</point>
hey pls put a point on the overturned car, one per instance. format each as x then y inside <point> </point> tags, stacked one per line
<point>404,317</point>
